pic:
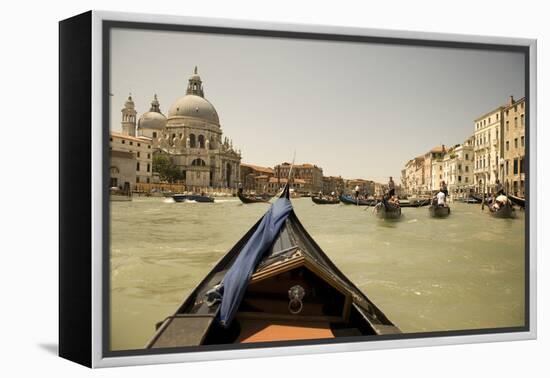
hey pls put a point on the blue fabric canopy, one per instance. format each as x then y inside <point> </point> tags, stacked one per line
<point>237,277</point>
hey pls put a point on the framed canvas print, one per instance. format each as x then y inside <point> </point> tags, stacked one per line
<point>234,189</point>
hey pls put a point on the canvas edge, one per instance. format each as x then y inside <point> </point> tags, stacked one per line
<point>97,194</point>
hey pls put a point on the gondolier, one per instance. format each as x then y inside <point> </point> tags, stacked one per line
<point>391,187</point>
<point>440,196</point>
<point>499,188</point>
<point>444,188</point>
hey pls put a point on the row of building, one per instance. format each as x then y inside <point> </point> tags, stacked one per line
<point>494,152</point>
<point>306,178</point>
<point>191,137</point>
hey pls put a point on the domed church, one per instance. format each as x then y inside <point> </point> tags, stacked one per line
<point>191,136</point>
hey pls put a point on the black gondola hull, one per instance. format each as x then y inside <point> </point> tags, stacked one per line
<point>294,259</point>
<point>324,201</point>
<point>253,199</point>
<point>439,211</point>
<point>504,212</point>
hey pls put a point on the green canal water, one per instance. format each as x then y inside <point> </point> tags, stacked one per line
<point>425,274</point>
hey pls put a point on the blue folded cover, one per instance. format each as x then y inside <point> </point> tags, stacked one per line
<point>237,277</point>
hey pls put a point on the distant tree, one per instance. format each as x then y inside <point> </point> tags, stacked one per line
<point>166,169</point>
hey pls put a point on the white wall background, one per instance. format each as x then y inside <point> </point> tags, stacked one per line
<point>28,263</point>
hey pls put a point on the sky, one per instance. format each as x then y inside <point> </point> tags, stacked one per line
<point>355,109</point>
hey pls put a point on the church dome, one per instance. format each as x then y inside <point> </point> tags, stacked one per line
<point>194,106</point>
<point>152,120</point>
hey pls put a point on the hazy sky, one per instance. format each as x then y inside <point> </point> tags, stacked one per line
<point>354,109</point>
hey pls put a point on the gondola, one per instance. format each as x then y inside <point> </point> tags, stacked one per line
<point>191,197</point>
<point>417,203</point>
<point>325,201</point>
<point>471,200</point>
<point>387,210</point>
<point>349,200</point>
<point>275,284</point>
<point>517,200</point>
<point>253,198</point>
<point>439,211</point>
<point>506,211</point>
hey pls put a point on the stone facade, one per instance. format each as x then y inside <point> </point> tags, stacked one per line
<point>311,174</point>
<point>458,171</point>
<point>333,184</point>
<point>140,147</point>
<point>513,167</point>
<point>276,184</point>
<point>366,187</point>
<point>413,179</point>
<point>122,170</point>
<point>487,149</point>
<point>255,178</point>
<point>434,155</point>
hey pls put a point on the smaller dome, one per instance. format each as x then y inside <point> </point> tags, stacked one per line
<point>152,120</point>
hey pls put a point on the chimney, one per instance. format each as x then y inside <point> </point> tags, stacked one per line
<point>511,100</point>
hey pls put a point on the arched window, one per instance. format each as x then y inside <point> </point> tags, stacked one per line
<point>201,141</point>
<point>198,163</point>
<point>212,146</point>
<point>192,141</point>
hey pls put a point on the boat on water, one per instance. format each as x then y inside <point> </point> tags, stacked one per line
<point>350,200</point>
<point>415,203</point>
<point>247,198</point>
<point>192,197</point>
<point>325,200</point>
<point>387,210</point>
<point>517,200</point>
<point>439,211</point>
<point>506,211</point>
<point>275,284</point>
<point>120,195</point>
<point>470,199</point>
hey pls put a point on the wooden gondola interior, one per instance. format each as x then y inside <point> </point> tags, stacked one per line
<point>293,294</point>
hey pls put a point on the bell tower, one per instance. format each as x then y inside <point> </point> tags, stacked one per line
<point>129,117</point>
<point>195,84</point>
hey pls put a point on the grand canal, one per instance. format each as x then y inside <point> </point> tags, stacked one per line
<point>425,274</point>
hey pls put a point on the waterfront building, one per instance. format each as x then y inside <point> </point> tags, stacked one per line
<point>487,149</point>
<point>139,148</point>
<point>255,178</point>
<point>122,170</point>
<point>407,175</point>
<point>437,174</point>
<point>334,184</point>
<point>193,140</point>
<point>513,163</point>
<point>435,154</point>
<point>275,184</point>
<point>413,181</point>
<point>380,189</point>
<point>190,135</point>
<point>458,169</point>
<point>366,187</point>
<point>310,173</point>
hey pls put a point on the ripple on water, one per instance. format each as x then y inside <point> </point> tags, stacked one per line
<point>465,271</point>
